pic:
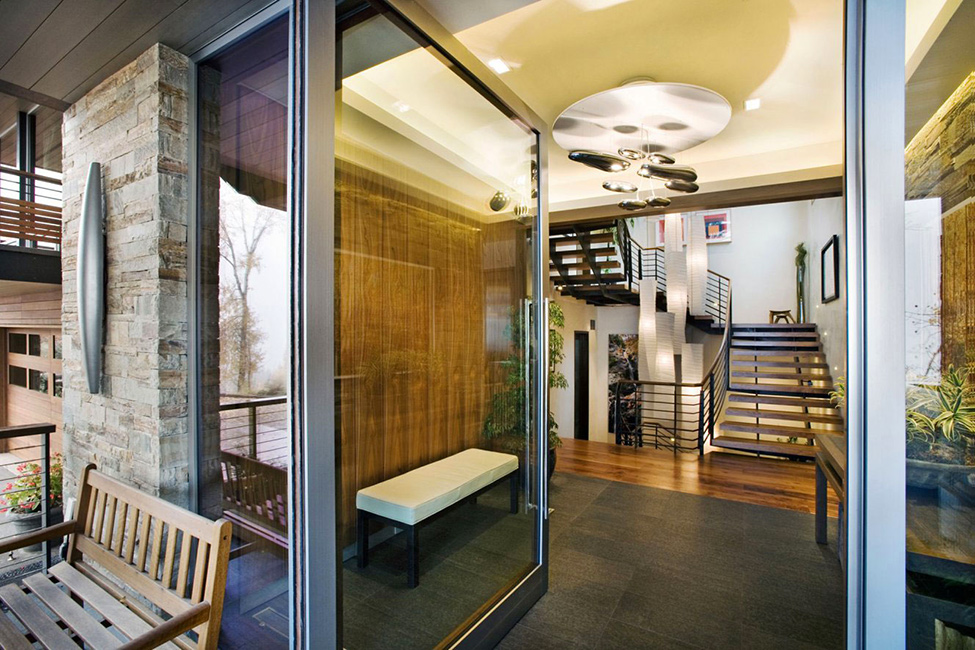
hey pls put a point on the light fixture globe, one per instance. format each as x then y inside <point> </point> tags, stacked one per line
<point>680,185</point>
<point>620,186</point>
<point>605,162</point>
<point>633,204</point>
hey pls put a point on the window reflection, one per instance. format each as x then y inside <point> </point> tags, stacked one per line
<point>244,324</point>
<point>940,328</point>
<point>433,278</point>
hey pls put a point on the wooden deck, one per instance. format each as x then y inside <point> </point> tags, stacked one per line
<point>762,481</point>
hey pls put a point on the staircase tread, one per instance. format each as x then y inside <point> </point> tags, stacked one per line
<point>781,388</point>
<point>798,416</point>
<point>585,265</point>
<point>598,238</point>
<point>737,333</point>
<point>777,400</point>
<point>779,364</point>
<point>766,446</point>
<point>746,343</point>
<point>777,326</point>
<point>759,352</point>
<point>765,374</point>
<point>588,277</point>
<point>773,429</point>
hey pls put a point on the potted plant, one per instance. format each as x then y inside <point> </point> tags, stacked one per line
<point>505,424</point>
<point>940,424</point>
<point>21,498</point>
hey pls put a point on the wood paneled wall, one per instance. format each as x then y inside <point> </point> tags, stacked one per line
<point>940,162</point>
<point>40,309</point>
<point>416,279</point>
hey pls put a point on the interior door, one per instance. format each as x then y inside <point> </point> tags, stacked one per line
<point>581,397</point>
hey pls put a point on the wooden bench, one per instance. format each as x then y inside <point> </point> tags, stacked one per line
<point>831,470</point>
<point>172,563</point>
<point>410,499</point>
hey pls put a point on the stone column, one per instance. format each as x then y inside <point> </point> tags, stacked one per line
<point>135,125</point>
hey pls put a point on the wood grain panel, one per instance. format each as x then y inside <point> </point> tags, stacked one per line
<point>41,309</point>
<point>415,279</point>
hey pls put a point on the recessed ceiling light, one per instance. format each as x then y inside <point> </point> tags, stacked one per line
<point>753,104</point>
<point>402,107</point>
<point>499,66</point>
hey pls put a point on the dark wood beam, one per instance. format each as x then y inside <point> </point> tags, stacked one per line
<point>779,193</point>
<point>32,96</point>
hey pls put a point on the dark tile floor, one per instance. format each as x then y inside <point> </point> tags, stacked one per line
<point>637,567</point>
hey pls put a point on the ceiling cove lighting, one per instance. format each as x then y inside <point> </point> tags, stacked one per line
<point>642,121</point>
<point>499,65</point>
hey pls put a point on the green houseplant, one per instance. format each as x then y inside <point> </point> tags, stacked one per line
<point>505,424</point>
<point>940,427</point>
<point>21,497</point>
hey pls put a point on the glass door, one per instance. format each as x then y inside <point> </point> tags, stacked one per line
<point>436,315</point>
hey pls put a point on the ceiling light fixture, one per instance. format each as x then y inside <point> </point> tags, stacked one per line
<point>499,65</point>
<point>753,104</point>
<point>402,107</point>
<point>642,121</point>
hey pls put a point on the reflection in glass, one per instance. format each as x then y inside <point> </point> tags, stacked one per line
<point>17,376</point>
<point>244,326</point>
<point>17,343</point>
<point>940,338</point>
<point>37,381</point>
<point>433,279</point>
<point>58,385</point>
<point>57,346</point>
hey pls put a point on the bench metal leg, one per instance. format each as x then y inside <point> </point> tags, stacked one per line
<point>514,492</point>
<point>413,556</point>
<point>820,505</point>
<point>362,538</point>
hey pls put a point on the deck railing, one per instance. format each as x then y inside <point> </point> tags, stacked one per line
<point>256,428</point>
<point>26,497</point>
<point>30,209</point>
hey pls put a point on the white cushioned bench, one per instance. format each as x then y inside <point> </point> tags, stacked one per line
<point>407,500</point>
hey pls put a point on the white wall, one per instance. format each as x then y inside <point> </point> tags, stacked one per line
<point>827,217</point>
<point>578,315</point>
<point>760,259</point>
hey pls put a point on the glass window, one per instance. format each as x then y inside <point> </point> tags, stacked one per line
<point>435,199</point>
<point>58,385</point>
<point>940,326</point>
<point>244,239</point>
<point>17,376</point>
<point>57,346</point>
<point>17,343</point>
<point>37,380</point>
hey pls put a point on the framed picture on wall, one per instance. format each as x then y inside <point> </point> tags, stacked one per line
<point>717,227</point>
<point>658,228</point>
<point>829,270</point>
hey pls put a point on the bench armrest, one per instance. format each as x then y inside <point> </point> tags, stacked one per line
<point>38,536</point>
<point>169,630</point>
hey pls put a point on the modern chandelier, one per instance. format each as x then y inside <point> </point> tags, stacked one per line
<point>638,126</point>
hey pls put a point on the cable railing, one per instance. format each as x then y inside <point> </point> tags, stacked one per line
<point>676,416</point>
<point>31,496</point>
<point>30,209</point>
<point>256,428</point>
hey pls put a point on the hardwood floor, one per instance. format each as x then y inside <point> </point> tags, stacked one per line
<point>761,481</point>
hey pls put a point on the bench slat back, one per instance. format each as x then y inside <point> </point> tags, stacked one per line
<point>172,557</point>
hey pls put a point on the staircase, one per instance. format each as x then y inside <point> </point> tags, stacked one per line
<point>778,391</point>
<point>599,263</point>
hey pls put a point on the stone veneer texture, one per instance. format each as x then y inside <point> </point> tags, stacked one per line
<point>135,125</point>
<point>941,163</point>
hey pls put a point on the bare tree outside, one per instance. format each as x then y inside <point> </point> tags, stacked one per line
<point>243,223</point>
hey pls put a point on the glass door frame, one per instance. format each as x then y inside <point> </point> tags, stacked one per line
<point>316,557</point>
<point>874,192</point>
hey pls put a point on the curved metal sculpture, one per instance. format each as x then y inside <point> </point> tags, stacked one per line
<point>606,162</point>
<point>91,277</point>
<point>658,202</point>
<point>631,154</point>
<point>619,186</point>
<point>678,185</point>
<point>661,158</point>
